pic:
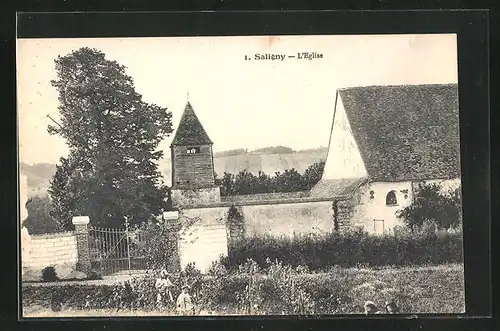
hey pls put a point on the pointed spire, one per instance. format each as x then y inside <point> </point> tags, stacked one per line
<point>190,130</point>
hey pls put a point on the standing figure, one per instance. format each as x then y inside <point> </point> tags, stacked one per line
<point>127,295</point>
<point>184,303</point>
<point>164,288</point>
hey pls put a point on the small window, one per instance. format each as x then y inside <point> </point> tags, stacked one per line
<point>391,199</point>
<point>193,150</point>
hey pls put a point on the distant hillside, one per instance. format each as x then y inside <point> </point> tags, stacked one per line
<point>40,174</point>
<point>271,150</point>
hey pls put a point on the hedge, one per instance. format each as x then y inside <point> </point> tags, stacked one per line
<point>351,248</point>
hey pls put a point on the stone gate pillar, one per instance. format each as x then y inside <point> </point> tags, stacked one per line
<point>82,243</point>
<point>171,219</point>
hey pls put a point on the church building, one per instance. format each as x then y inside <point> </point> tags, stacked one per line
<point>385,142</point>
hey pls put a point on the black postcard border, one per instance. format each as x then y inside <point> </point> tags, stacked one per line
<point>472,33</point>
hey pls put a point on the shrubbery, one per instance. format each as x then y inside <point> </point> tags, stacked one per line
<point>352,248</point>
<point>432,205</point>
<point>153,240</point>
<point>49,274</point>
<point>289,181</point>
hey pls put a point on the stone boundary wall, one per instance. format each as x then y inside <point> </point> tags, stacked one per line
<point>51,250</point>
<point>273,217</point>
<point>262,202</point>
<point>242,198</point>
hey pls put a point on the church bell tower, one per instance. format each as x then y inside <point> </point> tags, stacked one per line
<point>193,173</point>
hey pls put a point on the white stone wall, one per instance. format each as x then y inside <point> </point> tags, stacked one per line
<point>375,208</point>
<point>207,216</point>
<point>203,244</point>
<point>370,208</point>
<point>58,250</point>
<point>195,197</point>
<point>288,219</point>
<point>207,239</point>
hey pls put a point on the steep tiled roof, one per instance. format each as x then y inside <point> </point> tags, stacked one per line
<point>190,130</point>
<point>406,132</point>
<point>334,188</point>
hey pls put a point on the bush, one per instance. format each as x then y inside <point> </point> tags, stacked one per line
<point>350,249</point>
<point>94,275</point>
<point>431,204</point>
<point>154,241</point>
<point>49,274</point>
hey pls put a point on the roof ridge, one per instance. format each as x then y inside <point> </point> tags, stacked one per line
<point>395,86</point>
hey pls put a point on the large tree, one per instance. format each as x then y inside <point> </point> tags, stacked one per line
<point>111,171</point>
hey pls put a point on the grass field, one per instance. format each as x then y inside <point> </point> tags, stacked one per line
<point>416,290</point>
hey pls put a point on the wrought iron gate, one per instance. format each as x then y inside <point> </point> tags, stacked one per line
<point>115,250</point>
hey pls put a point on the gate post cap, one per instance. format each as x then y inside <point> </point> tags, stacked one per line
<point>80,220</point>
<point>171,215</point>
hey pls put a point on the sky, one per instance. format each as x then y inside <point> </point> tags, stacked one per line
<point>241,103</point>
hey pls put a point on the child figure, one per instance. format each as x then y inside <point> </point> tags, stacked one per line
<point>184,303</point>
<point>164,286</point>
<point>391,307</point>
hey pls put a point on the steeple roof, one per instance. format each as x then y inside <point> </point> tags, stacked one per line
<point>190,130</point>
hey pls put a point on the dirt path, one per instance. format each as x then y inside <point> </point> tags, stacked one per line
<point>39,311</point>
<point>106,280</point>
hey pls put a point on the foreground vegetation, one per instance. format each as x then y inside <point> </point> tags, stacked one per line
<point>277,289</point>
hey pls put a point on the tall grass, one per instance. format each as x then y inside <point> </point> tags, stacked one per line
<point>279,289</point>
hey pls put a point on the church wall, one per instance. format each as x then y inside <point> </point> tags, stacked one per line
<point>373,206</point>
<point>193,170</point>
<point>344,159</point>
